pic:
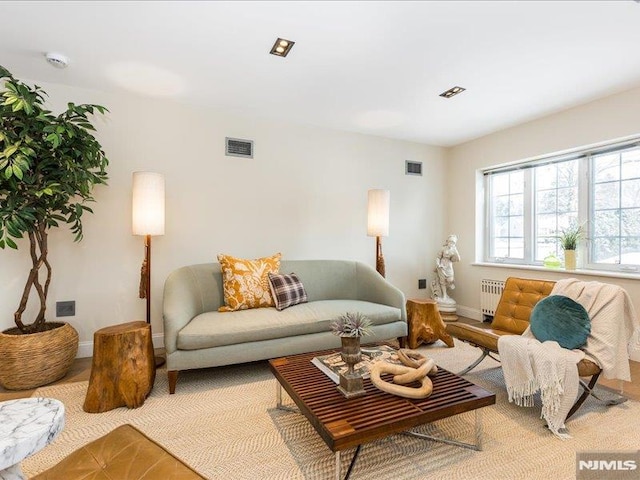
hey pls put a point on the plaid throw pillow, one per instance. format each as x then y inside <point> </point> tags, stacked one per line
<point>286,290</point>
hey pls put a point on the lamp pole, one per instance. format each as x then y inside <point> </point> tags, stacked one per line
<point>378,222</point>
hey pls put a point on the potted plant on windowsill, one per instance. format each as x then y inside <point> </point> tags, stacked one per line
<point>569,239</point>
<point>49,165</point>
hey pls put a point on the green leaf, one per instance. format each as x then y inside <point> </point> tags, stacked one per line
<point>10,150</point>
<point>10,100</point>
<point>11,243</point>
<point>17,172</point>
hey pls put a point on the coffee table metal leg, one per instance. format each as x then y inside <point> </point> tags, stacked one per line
<point>473,446</point>
<point>479,437</point>
<point>278,395</point>
<point>279,404</point>
<point>353,462</point>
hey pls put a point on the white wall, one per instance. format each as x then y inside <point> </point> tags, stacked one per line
<point>303,194</point>
<point>613,117</point>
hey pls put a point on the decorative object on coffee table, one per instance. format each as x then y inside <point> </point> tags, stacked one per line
<point>123,368</point>
<point>26,426</point>
<point>49,165</point>
<point>425,323</point>
<point>378,222</point>
<point>350,327</point>
<point>416,368</point>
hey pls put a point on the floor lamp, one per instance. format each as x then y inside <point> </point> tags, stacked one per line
<point>378,222</point>
<point>147,220</point>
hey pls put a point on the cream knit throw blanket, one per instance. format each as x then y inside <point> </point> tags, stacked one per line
<point>530,366</point>
<point>613,323</point>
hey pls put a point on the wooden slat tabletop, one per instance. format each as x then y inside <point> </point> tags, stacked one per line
<point>346,423</point>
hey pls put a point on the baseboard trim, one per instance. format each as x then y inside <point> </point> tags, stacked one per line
<point>472,313</point>
<point>85,349</point>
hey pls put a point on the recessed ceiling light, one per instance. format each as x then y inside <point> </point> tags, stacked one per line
<point>282,47</point>
<point>452,91</point>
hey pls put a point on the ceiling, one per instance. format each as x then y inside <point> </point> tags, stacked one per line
<point>373,67</point>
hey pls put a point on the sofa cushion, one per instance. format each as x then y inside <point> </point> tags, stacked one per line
<point>560,319</point>
<point>246,282</point>
<point>214,329</point>
<point>286,290</point>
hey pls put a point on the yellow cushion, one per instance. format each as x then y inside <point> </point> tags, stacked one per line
<point>246,282</point>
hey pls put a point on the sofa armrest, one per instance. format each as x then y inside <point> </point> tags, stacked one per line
<point>182,301</point>
<point>372,287</point>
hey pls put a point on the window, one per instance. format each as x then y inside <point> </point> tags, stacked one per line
<point>529,204</point>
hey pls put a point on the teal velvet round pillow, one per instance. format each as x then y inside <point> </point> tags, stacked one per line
<point>562,319</point>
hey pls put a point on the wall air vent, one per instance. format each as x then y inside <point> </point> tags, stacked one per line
<point>236,147</point>
<point>412,168</point>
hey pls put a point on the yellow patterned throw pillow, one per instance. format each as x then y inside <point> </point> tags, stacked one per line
<point>246,282</point>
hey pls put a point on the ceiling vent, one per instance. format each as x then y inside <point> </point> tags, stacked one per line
<point>236,147</point>
<point>412,168</point>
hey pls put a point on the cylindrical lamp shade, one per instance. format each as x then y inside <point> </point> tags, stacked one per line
<point>378,213</point>
<point>148,203</point>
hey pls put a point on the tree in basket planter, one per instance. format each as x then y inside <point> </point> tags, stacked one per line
<point>49,165</point>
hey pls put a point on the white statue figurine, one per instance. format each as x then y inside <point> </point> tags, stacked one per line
<point>444,271</point>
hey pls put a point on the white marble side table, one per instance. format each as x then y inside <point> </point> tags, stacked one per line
<point>26,426</point>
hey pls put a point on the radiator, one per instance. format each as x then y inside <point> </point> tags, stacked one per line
<point>490,291</point>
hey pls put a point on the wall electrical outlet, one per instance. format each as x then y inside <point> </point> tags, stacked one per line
<point>66,309</point>
<point>422,283</point>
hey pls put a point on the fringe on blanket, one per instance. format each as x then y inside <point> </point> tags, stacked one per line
<point>530,366</point>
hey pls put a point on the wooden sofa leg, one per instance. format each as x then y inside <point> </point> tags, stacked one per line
<point>402,341</point>
<point>173,379</point>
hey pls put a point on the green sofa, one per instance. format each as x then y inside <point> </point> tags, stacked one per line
<point>196,335</point>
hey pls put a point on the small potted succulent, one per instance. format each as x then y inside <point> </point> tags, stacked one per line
<point>351,324</point>
<point>350,327</point>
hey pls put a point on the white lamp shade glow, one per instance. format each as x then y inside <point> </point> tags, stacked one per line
<point>148,203</point>
<point>378,213</point>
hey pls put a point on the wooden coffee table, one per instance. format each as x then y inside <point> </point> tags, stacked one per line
<point>343,423</point>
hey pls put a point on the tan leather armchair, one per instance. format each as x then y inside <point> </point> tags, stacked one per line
<point>512,318</point>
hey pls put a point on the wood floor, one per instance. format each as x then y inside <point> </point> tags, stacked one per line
<point>81,369</point>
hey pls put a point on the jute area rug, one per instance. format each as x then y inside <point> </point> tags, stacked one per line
<point>223,423</point>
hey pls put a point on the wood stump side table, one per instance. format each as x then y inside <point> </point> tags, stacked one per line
<point>425,323</point>
<point>123,367</point>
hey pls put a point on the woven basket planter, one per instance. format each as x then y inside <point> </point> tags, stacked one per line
<point>36,359</point>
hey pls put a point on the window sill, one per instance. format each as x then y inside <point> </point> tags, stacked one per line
<point>578,271</point>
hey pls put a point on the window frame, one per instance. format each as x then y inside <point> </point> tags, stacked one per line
<point>585,210</point>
